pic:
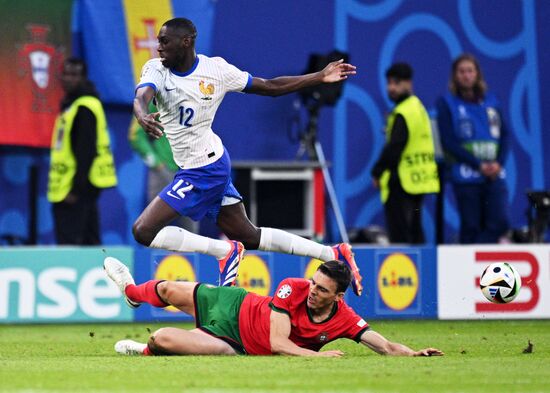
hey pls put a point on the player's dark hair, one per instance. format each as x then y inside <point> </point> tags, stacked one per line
<point>400,71</point>
<point>339,272</point>
<point>480,86</point>
<point>183,26</point>
<point>77,62</point>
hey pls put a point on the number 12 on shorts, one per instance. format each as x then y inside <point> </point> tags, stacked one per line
<point>180,191</point>
<point>186,114</point>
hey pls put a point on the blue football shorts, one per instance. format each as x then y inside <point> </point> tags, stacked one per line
<point>200,192</point>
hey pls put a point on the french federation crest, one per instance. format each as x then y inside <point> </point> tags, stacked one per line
<point>206,90</point>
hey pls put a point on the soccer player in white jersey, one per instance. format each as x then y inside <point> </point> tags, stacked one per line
<point>188,88</point>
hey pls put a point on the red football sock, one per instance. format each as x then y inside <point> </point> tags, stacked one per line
<point>145,293</point>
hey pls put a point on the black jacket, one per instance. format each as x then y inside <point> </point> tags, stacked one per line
<point>83,142</point>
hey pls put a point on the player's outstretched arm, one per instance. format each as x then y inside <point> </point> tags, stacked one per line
<point>334,72</point>
<point>148,121</point>
<point>280,343</point>
<point>381,345</point>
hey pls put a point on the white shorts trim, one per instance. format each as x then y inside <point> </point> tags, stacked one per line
<point>229,200</point>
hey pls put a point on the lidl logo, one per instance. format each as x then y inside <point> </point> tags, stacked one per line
<point>312,267</point>
<point>254,275</point>
<point>174,267</point>
<point>398,281</point>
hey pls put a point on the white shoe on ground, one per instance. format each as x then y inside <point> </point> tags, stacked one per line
<point>130,347</point>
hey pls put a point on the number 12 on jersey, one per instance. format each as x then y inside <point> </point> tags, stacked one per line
<point>186,114</point>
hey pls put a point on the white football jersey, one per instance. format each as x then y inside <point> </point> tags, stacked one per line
<point>187,103</point>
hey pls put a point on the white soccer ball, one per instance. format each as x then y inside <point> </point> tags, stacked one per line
<point>500,282</point>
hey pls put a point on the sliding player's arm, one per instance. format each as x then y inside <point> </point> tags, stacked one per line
<point>381,345</point>
<point>279,334</point>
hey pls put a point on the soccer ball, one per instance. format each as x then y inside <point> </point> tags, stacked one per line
<point>500,282</point>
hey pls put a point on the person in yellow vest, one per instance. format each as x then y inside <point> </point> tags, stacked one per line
<point>406,168</point>
<point>81,162</point>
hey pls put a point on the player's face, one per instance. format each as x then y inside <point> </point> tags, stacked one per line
<point>171,47</point>
<point>71,77</point>
<point>168,45</point>
<point>466,75</point>
<point>397,88</point>
<point>323,292</point>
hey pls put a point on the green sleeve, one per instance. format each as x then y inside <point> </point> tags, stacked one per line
<point>139,140</point>
<point>142,144</point>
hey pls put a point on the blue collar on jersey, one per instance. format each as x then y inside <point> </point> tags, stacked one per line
<point>193,67</point>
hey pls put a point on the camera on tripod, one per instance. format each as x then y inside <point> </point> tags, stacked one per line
<point>314,97</point>
<point>538,214</point>
<point>326,93</point>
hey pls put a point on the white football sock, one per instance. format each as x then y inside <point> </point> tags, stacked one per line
<point>178,239</point>
<point>277,240</point>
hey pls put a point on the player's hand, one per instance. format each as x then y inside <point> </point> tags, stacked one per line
<point>375,182</point>
<point>337,71</point>
<point>151,124</point>
<point>334,353</point>
<point>490,169</point>
<point>495,169</point>
<point>485,169</point>
<point>429,352</point>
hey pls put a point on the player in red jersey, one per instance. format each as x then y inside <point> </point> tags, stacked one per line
<point>300,319</point>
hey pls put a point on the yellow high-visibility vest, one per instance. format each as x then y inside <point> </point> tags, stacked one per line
<point>417,169</point>
<point>62,160</point>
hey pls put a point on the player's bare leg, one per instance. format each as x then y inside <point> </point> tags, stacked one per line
<point>233,221</point>
<point>166,341</point>
<point>157,293</point>
<point>174,341</point>
<point>152,230</point>
<point>178,294</point>
<point>156,216</point>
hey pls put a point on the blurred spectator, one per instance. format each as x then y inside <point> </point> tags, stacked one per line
<point>81,160</point>
<point>475,139</point>
<point>157,156</point>
<point>406,168</point>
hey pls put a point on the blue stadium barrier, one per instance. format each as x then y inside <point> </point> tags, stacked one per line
<point>399,282</point>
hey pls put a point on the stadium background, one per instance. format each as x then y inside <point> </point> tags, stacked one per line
<point>63,285</point>
<point>276,38</point>
<point>48,284</point>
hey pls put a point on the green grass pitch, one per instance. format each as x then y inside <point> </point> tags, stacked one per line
<point>481,356</point>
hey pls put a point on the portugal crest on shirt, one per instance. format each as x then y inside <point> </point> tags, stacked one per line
<point>284,291</point>
<point>323,337</point>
